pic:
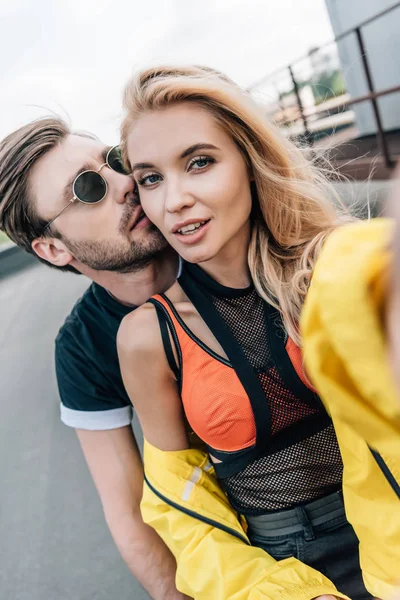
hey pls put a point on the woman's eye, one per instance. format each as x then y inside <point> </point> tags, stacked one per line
<point>149,179</point>
<point>201,162</point>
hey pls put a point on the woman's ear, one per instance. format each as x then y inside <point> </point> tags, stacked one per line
<point>251,175</point>
<point>52,250</point>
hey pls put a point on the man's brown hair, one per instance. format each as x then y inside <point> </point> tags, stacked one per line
<point>19,152</point>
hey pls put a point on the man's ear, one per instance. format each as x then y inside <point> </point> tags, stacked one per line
<point>52,250</point>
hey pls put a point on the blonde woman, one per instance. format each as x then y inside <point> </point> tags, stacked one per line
<point>248,214</point>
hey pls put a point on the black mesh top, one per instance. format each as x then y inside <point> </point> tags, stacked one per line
<point>303,461</point>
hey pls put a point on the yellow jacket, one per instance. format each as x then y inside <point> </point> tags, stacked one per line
<point>183,501</point>
<point>346,358</point>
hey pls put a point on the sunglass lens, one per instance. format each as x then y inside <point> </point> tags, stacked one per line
<point>114,160</point>
<point>90,187</point>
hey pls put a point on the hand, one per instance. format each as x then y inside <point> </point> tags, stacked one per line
<point>326,597</point>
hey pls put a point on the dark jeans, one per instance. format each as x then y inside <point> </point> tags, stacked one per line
<point>330,547</point>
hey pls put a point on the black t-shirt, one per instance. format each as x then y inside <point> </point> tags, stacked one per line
<point>88,374</point>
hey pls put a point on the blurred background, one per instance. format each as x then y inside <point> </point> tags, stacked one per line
<point>75,56</point>
<point>325,71</point>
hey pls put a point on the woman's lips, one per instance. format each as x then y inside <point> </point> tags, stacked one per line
<point>195,237</point>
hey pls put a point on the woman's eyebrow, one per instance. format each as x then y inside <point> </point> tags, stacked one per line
<point>193,148</point>
<point>139,166</point>
<point>196,147</point>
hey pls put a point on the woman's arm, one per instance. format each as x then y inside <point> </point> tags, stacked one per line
<point>149,381</point>
<point>393,305</point>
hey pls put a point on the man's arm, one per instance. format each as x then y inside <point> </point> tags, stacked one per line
<point>115,464</point>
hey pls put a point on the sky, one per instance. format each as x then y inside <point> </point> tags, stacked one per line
<point>73,57</point>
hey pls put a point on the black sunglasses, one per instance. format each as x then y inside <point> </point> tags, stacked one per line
<point>90,187</point>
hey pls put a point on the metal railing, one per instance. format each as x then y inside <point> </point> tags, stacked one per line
<point>302,114</point>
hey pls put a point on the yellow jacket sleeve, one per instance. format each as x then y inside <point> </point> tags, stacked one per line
<point>344,343</point>
<point>183,502</point>
<point>346,356</point>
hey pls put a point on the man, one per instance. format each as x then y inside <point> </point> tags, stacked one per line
<point>93,224</point>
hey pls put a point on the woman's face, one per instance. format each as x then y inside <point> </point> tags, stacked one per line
<point>193,181</point>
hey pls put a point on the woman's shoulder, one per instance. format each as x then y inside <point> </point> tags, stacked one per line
<point>138,332</point>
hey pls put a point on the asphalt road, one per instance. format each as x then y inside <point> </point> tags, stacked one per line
<point>54,544</point>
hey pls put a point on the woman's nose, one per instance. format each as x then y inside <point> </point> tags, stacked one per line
<point>178,198</point>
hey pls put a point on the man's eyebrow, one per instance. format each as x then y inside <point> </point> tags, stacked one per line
<point>68,193</point>
<point>185,153</point>
<point>104,153</point>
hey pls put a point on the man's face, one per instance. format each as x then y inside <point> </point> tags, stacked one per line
<point>112,235</point>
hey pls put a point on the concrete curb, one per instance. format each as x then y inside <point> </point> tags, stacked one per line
<point>8,249</point>
<point>13,259</point>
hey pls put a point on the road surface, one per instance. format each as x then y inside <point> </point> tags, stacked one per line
<point>54,544</point>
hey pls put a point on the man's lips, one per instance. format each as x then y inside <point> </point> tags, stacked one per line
<point>137,217</point>
<point>142,222</point>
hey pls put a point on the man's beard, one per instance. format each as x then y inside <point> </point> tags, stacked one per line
<point>109,256</point>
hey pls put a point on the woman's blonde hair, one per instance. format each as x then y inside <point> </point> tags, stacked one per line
<point>293,212</point>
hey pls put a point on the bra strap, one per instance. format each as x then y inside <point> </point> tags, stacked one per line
<point>245,372</point>
<point>167,330</point>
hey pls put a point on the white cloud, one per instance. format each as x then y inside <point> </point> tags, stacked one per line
<point>75,55</point>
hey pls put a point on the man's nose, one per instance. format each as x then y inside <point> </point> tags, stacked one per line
<point>124,187</point>
<point>120,185</point>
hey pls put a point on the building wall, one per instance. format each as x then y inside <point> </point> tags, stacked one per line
<point>382,44</point>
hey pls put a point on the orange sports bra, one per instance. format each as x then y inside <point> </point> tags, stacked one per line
<point>273,441</point>
<point>215,402</point>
